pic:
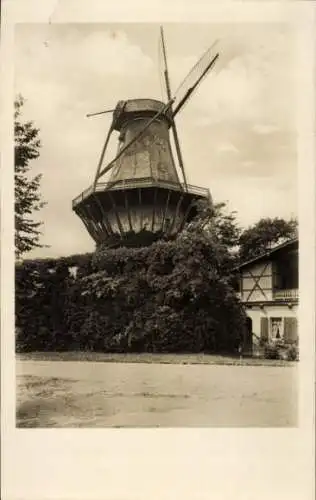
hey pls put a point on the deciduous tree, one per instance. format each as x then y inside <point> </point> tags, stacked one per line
<point>265,234</point>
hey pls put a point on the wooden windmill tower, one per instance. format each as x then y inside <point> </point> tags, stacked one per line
<point>144,199</point>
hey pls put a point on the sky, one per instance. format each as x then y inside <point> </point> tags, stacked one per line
<point>237,133</point>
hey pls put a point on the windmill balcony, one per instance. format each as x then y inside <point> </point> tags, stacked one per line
<point>127,209</point>
<point>140,183</point>
<point>288,294</point>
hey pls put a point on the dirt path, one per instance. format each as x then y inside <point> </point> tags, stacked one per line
<point>88,394</point>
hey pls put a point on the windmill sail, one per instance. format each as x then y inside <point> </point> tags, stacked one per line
<point>194,77</point>
<point>163,69</point>
<point>168,91</point>
<point>181,96</point>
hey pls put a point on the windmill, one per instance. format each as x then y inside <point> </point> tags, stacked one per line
<point>144,198</point>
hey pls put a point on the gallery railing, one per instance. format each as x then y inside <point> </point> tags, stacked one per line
<point>142,182</point>
<point>286,294</point>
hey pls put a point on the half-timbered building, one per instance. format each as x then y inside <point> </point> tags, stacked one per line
<point>268,289</point>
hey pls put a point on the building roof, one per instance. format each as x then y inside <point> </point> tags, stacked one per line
<point>293,243</point>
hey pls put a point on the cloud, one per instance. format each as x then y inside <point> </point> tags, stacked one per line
<point>254,81</point>
<point>255,200</point>
<point>265,128</point>
<point>99,52</point>
<point>227,147</point>
<point>82,66</point>
<point>108,53</point>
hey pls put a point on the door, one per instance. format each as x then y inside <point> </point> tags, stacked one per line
<point>247,347</point>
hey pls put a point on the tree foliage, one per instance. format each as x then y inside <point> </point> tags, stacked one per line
<point>173,296</point>
<point>27,195</point>
<point>265,234</point>
<point>218,223</point>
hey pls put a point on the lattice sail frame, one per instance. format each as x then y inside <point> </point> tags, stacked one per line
<point>144,193</point>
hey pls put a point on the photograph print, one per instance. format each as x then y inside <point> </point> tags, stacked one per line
<point>156,229</point>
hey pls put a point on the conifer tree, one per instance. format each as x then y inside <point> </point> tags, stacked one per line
<point>27,188</point>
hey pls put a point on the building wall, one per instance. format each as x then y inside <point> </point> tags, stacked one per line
<point>256,282</point>
<point>269,312</point>
<point>273,310</point>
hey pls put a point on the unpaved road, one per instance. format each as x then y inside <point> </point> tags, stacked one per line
<point>89,394</point>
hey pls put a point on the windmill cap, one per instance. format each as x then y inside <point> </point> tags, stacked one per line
<point>135,108</point>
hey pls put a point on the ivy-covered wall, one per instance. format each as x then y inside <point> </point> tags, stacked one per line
<point>173,296</point>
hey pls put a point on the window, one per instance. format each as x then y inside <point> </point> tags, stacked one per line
<point>276,328</point>
<point>286,272</point>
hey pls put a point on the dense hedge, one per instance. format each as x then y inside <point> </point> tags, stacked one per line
<point>41,290</point>
<point>170,297</point>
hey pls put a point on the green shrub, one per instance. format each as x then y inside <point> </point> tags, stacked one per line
<point>279,350</point>
<point>292,353</point>
<point>174,296</point>
<point>271,351</point>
